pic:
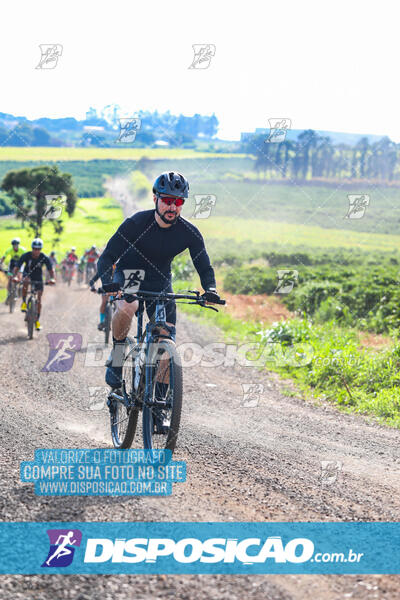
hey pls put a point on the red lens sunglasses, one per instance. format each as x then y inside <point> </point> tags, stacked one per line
<point>168,200</point>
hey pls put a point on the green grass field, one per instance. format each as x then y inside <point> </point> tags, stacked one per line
<point>290,236</point>
<point>94,221</point>
<point>56,154</point>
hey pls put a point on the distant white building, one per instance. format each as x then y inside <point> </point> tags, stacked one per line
<point>161,143</point>
<point>93,128</point>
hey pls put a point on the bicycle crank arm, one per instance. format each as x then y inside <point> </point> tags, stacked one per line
<point>114,396</point>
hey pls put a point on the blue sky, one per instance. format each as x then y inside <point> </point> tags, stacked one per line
<point>325,65</point>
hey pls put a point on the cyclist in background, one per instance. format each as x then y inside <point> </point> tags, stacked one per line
<point>70,262</point>
<point>12,254</point>
<point>30,268</point>
<point>54,264</point>
<point>71,255</point>
<point>91,256</point>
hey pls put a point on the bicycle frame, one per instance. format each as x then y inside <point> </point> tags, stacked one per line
<point>150,361</point>
<point>157,321</point>
<point>148,337</point>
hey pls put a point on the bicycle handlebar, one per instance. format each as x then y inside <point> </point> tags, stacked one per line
<point>114,288</point>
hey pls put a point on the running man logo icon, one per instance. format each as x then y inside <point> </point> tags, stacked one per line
<point>357,206</point>
<point>330,470</point>
<point>278,130</point>
<point>50,54</point>
<point>54,206</point>
<point>287,278</point>
<point>204,205</point>
<point>133,278</point>
<point>251,394</point>
<point>62,351</point>
<point>62,547</point>
<point>128,128</point>
<point>97,398</point>
<point>203,54</point>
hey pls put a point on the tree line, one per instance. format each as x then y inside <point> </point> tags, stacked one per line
<point>176,130</point>
<point>313,156</point>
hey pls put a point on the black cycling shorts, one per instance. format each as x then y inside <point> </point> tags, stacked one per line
<point>13,264</point>
<point>38,285</point>
<point>153,286</point>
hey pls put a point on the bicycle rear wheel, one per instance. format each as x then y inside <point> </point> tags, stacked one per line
<point>124,418</point>
<point>161,425</point>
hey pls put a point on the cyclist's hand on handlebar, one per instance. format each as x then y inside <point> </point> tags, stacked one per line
<point>211,296</point>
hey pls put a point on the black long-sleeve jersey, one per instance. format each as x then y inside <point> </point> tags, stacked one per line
<point>140,243</point>
<point>33,266</point>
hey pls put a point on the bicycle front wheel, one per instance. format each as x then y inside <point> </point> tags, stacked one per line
<point>30,317</point>
<point>161,422</point>
<point>124,415</point>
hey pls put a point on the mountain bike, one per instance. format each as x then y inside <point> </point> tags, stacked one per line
<point>149,361</point>
<point>13,288</point>
<point>31,308</point>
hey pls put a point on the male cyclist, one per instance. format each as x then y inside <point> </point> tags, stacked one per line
<point>12,254</point>
<point>53,259</point>
<point>71,261</point>
<point>30,267</point>
<point>91,256</point>
<point>146,243</point>
<point>72,256</point>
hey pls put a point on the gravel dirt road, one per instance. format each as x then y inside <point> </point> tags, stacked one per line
<point>245,463</point>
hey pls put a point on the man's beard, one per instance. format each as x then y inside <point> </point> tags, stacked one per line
<point>164,218</point>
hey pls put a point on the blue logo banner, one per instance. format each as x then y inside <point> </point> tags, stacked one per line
<point>165,547</point>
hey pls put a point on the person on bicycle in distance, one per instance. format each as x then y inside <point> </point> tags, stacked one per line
<point>53,259</point>
<point>12,254</point>
<point>72,256</point>
<point>30,267</point>
<point>91,257</point>
<point>71,261</point>
<point>144,246</point>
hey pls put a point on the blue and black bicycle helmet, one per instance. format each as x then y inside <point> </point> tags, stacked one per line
<point>172,184</point>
